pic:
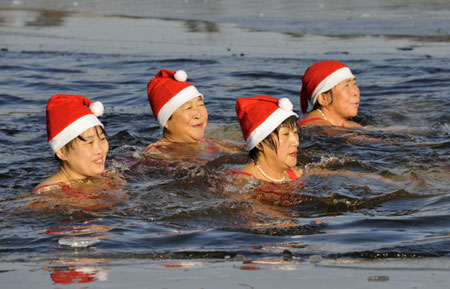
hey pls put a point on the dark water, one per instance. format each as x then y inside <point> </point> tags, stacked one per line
<point>396,204</point>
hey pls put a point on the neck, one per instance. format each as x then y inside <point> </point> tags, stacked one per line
<point>170,139</point>
<point>331,117</point>
<point>65,174</point>
<point>269,171</point>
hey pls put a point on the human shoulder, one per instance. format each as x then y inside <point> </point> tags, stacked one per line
<point>49,182</point>
<point>243,172</point>
<point>313,118</point>
<point>225,145</point>
<point>156,146</point>
<point>351,124</point>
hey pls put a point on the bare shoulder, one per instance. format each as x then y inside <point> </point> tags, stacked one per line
<point>154,147</point>
<point>352,124</point>
<point>50,181</point>
<point>227,146</point>
<point>313,118</point>
<point>321,122</point>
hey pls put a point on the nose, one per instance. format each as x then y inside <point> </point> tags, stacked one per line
<point>197,114</point>
<point>99,147</point>
<point>294,139</point>
<point>356,91</point>
<point>198,111</point>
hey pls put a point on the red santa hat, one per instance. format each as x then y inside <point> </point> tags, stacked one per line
<point>259,116</point>
<point>167,91</point>
<point>321,77</point>
<point>68,116</point>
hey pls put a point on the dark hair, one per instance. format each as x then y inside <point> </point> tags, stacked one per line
<point>165,130</point>
<point>70,144</point>
<point>272,138</point>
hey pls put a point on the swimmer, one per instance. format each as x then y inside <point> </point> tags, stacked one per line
<point>271,177</point>
<point>181,113</point>
<point>269,127</point>
<point>331,90</point>
<point>78,141</point>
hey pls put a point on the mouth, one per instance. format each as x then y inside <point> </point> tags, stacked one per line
<point>200,125</point>
<point>98,161</point>
<point>293,154</point>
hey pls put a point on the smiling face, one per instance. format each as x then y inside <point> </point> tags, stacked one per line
<point>345,101</point>
<point>188,122</point>
<point>86,155</point>
<point>286,145</point>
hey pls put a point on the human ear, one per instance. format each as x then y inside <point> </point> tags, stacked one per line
<point>61,154</point>
<point>167,124</point>
<point>323,99</point>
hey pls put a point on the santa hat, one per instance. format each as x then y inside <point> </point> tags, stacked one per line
<point>68,116</point>
<point>259,116</point>
<point>168,91</point>
<point>321,77</point>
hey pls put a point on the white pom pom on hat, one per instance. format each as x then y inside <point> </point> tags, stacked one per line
<point>285,104</point>
<point>97,108</point>
<point>180,75</point>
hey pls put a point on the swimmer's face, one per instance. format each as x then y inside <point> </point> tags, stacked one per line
<point>345,98</point>
<point>188,122</point>
<point>86,157</point>
<point>287,146</point>
<point>287,143</point>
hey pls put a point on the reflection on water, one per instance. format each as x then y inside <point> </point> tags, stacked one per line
<point>202,26</point>
<point>32,18</point>
<point>48,18</point>
<point>77,271</point>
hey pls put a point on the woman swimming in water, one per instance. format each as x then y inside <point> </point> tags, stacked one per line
<point>269,127</point>
<point>271,177</point>
<point>78,141</point>
<point>181,113</point>
<point>330,88</point>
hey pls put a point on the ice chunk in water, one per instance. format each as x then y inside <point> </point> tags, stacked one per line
<point>78,242</point>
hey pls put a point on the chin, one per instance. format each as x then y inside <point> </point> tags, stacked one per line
<point>99,171</point>
<point>198,137</point>
<point>291,164</point>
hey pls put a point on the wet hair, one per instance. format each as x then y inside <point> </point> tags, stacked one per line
<point>272,139</point>
<point>70,144</point>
